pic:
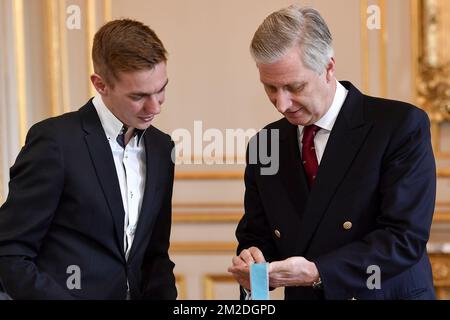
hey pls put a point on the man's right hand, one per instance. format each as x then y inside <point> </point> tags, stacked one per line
<point>241,265</point>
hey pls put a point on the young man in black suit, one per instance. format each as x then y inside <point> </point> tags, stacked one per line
<point>88,213</point>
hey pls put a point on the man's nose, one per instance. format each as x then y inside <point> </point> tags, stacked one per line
<point>153,104</point>
<point>282,101</point>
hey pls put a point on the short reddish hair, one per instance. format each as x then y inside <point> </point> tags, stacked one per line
<point>125,45</point>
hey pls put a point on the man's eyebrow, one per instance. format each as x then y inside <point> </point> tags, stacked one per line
<point>297,84</point>
<point>164,86</point>
<point>140,93</point>
<point>291,84</point>
<point>268,84</point>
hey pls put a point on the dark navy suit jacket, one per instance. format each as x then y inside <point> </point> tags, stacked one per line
<point>64,208</point>
<point>377,172</point>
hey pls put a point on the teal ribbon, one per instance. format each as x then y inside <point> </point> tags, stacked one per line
<point>259,281</point>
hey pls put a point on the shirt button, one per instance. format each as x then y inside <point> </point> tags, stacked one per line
<point>130,231</point>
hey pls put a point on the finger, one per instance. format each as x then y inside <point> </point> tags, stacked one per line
<point>275,283</point>
<point>238,269</point>
<point>241,277</point>
<point>239,266</point>
<point>246,256</point>
<point>257,255</point>
<point>277,280</point>
<point>237,261</point>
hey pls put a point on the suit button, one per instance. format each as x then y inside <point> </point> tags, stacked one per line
<point>347,225</point>
<point>277,233</point>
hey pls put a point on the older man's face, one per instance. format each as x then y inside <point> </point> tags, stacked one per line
<point>297,92</point>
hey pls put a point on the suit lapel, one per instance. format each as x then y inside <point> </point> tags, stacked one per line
<point>291,168</point>
<point>148,213</point>
<point>103,161</point>
<point>347,136</point>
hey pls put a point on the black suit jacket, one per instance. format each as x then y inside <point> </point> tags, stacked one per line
<point>377,172</point>
<point>64,208</point>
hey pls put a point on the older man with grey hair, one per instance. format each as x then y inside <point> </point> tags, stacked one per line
<point>348,214</point>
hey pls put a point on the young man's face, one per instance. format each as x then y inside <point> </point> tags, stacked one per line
<point>137,96</point>
<point>300,94</point>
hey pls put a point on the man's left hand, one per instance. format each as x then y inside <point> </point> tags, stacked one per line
<point>294,271</point>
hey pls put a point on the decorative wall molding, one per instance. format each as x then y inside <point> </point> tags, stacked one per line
<point>13,100</point>
<point>90,32</point>
<point>180,280</point>
<point>91,29</point>
<point>107,10</point>
<point>200,217</point>
<point>383,36</point>
<point>440,216</point>
<point>431,64</point>
<point>382,48</point>
<point>220,205</point>
<point>443,173</point>
<point>180,215</point>
<point>239,175</point>
<point>203,247</point>
<point>209,175</point>
<point>364,46</point>
<point>57,57</point>
<point>211,280</point>
<point>19,36</point>
<point>440,263</point>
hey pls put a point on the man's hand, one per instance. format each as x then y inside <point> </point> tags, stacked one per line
<point>241,265</point>
<point>294,271</point>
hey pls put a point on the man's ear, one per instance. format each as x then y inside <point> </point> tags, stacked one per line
<point>99,84</point>
<point>330,69</point>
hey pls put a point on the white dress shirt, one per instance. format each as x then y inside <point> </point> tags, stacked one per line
<point>130,168</point>
<point>326,123</point>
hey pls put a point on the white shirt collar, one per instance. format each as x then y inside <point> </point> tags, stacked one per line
<point>329,118</point>
<point>110,123</point>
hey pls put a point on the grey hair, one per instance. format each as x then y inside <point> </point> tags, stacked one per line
<point>291,26</point>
